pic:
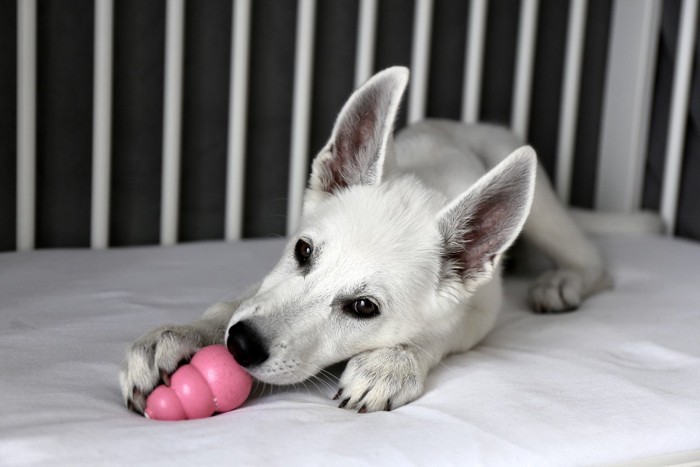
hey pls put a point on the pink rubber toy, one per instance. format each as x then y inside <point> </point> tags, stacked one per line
<point>211,383</point>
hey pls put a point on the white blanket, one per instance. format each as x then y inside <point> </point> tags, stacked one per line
<point>615,381</point>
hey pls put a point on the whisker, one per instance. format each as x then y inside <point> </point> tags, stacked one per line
<point>310,380</point>
<point>311,377</point>
<point>319,373</point>
<point>333,381</point>
<point>325,384</point>
<point>306,387</point>
<point>330,375</point>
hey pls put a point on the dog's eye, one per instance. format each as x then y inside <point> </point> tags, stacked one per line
<point>302,252</point>
<point>364,308</point>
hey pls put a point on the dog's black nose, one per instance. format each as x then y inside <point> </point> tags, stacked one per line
<point>245,345</point>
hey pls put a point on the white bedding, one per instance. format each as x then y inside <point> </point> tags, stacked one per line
<point>616,381</point>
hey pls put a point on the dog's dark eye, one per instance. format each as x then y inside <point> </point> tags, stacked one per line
<point>302,252</point>
<point>364,308</point>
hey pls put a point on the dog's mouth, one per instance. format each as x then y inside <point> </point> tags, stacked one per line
<point>280,372</point>
<point>272,363</point>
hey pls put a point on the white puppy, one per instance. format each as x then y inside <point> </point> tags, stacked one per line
<point>396,262</point>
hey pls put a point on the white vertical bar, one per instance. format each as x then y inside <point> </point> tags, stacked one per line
<point>570,97</point>
<point>101,123</point>
<point>525,59</point>
<point>420,59</point>
<point>473,62</point>
<point>26,123</point>
<point>301,110</point>
<point>627,103</point>
<point>238,105</point>
<point>366,34</point>
<point>174,43</point>
<point>679,113</point>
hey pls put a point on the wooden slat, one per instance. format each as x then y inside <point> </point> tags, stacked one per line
<point>570,97</point>
<point>301,110</point>
<point>102,122</point>
<point>524,65</point>
<point>172,124</point>
<point>238,105</point>
<point>471,95</point>
<point>420,60</point>
<point>679,113</point>
<point>26,123</point>
<point>366,35</point>
<point>627,103</point>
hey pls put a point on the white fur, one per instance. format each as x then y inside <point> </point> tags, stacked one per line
<point>420,226</point>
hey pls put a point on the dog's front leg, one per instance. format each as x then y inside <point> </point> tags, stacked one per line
<point>385,378</point>
<point>158,353</point>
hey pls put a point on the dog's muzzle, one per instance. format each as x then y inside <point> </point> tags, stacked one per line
<point>245,345</point>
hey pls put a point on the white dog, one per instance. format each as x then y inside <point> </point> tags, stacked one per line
<point>396,262</point>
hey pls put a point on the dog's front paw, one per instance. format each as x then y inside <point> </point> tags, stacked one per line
<point>152,359</point>
<point>557,291</point>
<point>381,379</point>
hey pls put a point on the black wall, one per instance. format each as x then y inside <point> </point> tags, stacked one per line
<point>64,106</point>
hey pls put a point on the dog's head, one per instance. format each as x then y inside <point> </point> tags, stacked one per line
<point>376,262</point>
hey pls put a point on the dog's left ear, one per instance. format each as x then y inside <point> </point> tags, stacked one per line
<point>355,152</point>
<point>482,223</point>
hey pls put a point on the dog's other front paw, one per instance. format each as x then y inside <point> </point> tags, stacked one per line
<point>557,291</point>
<point>152,359</point>
<point>381,379</point>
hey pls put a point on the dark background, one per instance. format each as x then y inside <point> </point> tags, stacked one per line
<point>64,106</point>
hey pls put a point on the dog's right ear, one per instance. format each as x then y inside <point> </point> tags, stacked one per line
<point>481,224</point>
<point>355,152</point>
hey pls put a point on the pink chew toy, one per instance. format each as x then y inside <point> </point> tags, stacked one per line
<point>212,382</point>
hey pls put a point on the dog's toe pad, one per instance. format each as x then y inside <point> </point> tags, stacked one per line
<point>557,291</point>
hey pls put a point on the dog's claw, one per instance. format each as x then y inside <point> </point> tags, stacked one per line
<point>383,378</point>
<point>363,409</point>
<point>137,400</point>
<point>338,394</point>
<point>344,403</point>
<point>165,376</point>
<point>152,360</point>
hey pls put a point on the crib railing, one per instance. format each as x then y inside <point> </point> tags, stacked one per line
<point>627,101</point>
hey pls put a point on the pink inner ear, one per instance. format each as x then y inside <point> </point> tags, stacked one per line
<point>488,226</point>
<point>333,179</point>
<point>354,150</point>
<point>357,144</point>
<point>485,234</point>
<point>357,136</point>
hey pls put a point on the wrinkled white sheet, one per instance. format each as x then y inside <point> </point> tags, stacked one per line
<point>617,380</point>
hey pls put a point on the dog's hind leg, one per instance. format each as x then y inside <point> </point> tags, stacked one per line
<point>580,270</point>
<point>580,267</point>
